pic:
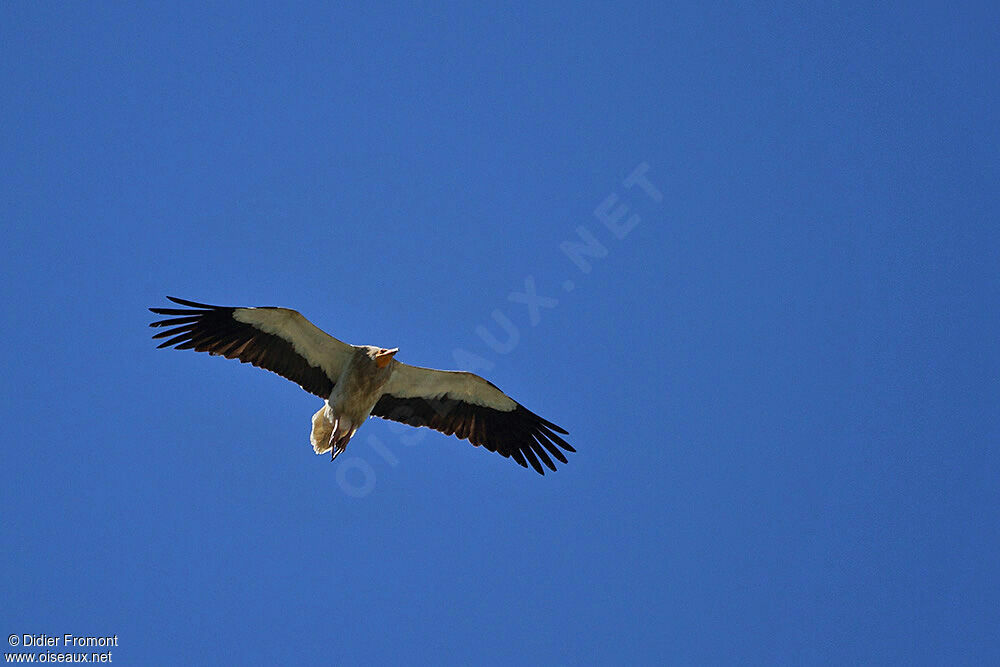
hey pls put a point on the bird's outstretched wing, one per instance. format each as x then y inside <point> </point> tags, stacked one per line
<point>276,339</point>
<point>473,409</point>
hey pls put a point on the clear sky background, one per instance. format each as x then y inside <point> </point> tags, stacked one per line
<point>781,378</point>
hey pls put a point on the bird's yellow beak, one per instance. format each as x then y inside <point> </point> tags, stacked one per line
<point>383,357</point>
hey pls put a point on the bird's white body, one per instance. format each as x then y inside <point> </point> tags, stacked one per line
<point>354,395</point>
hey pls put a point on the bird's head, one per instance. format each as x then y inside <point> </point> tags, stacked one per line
<point>382,356</point>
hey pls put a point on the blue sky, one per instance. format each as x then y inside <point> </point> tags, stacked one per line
<point>780,377</point>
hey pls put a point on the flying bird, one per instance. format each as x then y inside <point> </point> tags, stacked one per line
<point>358,381</point>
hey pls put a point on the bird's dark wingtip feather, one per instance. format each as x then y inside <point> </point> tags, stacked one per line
<point>542,420</point>
<point>174,311</point>
<point>547,444</point>
<point>519,457</point>
<point>541,455</point>
<point>530,456</point>
<point>193,304</point>
<point>555,438</point>
<point>554,427</point>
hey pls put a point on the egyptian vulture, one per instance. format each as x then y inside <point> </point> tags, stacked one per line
<point>358,381</point>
